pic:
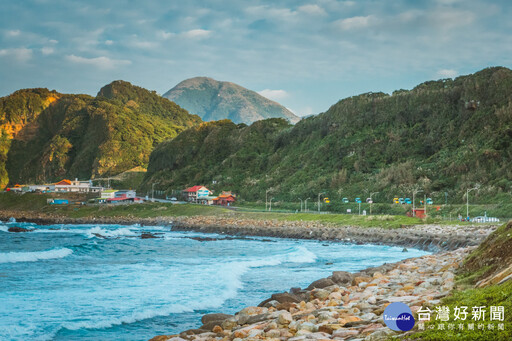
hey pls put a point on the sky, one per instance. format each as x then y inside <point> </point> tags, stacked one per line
<point>307,55</point>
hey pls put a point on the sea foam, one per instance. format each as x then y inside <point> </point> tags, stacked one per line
<point>14,257</point>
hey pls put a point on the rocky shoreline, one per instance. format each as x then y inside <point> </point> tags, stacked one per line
<point>432,238</point>
<point>344,306</point>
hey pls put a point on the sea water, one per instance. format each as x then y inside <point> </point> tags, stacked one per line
<point>103,282</point>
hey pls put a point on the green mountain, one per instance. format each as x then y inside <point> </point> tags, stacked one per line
<point>83,136</point>
<point>214,100</point>
<point>442,136</point>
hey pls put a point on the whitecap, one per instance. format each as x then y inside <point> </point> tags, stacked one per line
<point>14,257</point>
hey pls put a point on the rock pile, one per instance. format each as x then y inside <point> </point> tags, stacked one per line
<point>344,306</point>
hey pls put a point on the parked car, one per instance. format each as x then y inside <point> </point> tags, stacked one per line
<point>430,201</point>
<point>358,200</point>
<point>401,201</point>
<point>369,200</point>
<point>395,200</point>
<point>345,200</point>
<point>407,201</point>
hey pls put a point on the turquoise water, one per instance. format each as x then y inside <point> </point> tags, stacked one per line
<point>66,282</point>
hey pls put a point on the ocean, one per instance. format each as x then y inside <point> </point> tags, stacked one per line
<point>103,282</point>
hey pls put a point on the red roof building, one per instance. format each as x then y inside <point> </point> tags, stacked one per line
<point>224,200</point>
<point>195,193</point>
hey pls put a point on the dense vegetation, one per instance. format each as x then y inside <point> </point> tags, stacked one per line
<point>442,136</point>
<point>214,100</point>
<point>83,136</point>
<point>491,257</point>
<point>16,111</point>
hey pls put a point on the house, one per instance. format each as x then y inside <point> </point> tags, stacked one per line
<point>207,200</point>
<point>66,185</point>
<point>124,196</point>
<point>225,199</point>
<point>108,194</point>
<point>193,194</point>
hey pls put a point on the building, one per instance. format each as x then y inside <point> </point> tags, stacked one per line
<point>225,199</point>
<point>195,193</point>
<point>108,194</point>
<point>66,185</point>
<point>124,196</point>
<point>207,200</point>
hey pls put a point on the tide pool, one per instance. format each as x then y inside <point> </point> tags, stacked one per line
<point>91,282</point>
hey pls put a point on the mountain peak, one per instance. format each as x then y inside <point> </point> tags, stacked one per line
<point>214,100</point>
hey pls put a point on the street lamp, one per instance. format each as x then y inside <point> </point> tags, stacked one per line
<point>306,205</point>
<point>371,201</point>
<point>319,194</point>
<point>266,200</point>
<point>153,191</point>
<point>271,204</point>
<point>467,199</point>
<point>300,204</point>
<point>413,196</point>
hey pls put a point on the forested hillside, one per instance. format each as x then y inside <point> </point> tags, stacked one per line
<point>442,136</point>
<point>83,136</point>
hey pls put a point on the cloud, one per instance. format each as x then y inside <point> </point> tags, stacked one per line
<point>274,95</point>
<point>13,33</point>
<point>197,34</point>
<point>312,10</point>
<point>109,42</point>
<point>447,73</point>
<point>21,55</point>
<point>47,50</point>
<point>99,62</point>
<point>53,41</point>
<point>165,35</point>
<point>354,22</point>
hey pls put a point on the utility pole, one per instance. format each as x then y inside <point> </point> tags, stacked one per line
<point>306,205</point>
<point>300,204</point>
<point>425,203</point>
<point>271,204</point>
<point>266,200</point>
<point>153,192</point>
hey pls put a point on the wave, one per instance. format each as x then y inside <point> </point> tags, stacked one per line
<point>121,232</point>
<point>14,257</point>
<point>231,283</point>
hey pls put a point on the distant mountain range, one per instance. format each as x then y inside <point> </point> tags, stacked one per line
<point>441,137</point>
<point>45,135</point>
<point>214,100</point>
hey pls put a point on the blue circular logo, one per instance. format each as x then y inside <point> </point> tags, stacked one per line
<point>398,316</point>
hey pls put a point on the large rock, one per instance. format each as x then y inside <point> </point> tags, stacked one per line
<point>19,229</point>
<point>321,283</point>
<point>218,317</point>
<point>282,298</point>
<point>341,277</point>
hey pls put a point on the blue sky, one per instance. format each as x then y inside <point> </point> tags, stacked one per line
<point>307,55</point>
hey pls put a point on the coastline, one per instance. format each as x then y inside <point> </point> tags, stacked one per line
<point>433,237</point>
<point>343,306</point>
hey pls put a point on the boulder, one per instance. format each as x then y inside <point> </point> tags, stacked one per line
<point>19,229</point>
<point>147,235</point>
<point>218,317</point>
<point>341,277</point>
<point>281,298</point>
<point>285,318</point>
<point>321,283</point>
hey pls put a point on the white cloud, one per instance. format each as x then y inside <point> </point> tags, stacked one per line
<point>13,33</point>
<point>53,41</point>
<point>312,10</point>
<point>99,62</point>
<point>354,22</point>
<point>143,44</point>
<point>447,73</point>
<point>274,95</point>
<point>197,34</point>
<point>47,50</point>
<point>165,35</point>
<point>109,42</point>
<point>21,55</point>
